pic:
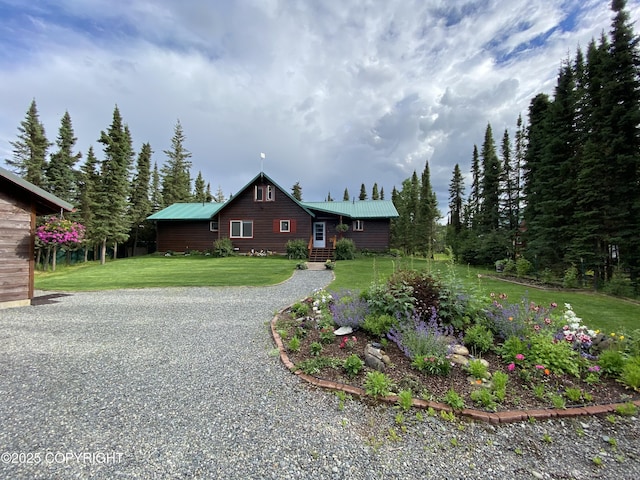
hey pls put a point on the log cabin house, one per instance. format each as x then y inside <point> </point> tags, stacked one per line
<point>20,203</point>
<point>262,217</point>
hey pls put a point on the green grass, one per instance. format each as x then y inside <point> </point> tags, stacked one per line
<point>159,271</point>
<point>597,311</point>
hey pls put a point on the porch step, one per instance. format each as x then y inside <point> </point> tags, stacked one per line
<point>320,254</point>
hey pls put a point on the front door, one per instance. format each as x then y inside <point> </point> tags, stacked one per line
<point>318,235</point>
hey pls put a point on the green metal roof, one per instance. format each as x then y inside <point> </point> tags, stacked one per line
<point>187,211</point>
<point>46,202</point>
<point>357,209</point>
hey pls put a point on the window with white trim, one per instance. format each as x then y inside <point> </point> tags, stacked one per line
<point>213,226</point>
<point>269,193</point>
<point>285,226</point>
<point>358,225</point>
<point>264,193</point>
<point>241,229</point>
<point>259,194</point>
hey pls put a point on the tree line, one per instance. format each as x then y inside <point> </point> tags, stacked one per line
<point>566,193</point>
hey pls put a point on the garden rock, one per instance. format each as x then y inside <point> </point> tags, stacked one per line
<point>375,358</point>
<point>459,359</point>
<point>460,350</point>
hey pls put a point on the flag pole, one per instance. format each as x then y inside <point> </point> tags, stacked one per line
<point>262,157</point>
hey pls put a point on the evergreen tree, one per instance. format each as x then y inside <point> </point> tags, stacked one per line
<point>297,191</point>
<point>199,193</point>
<point>375,195</point>
<point>208,195</point>
<point>328,199</point>
<point>456,196</point>
<point>30,150</point>
<point>381,193</point>
<point>112,222</point>
<point>157,202</point>
<point>363,192</point>
<point>61,177</point>
<point>219,197</point>
<point>176,176</point>
<point>140,203</point>
<point>490,186</point>
<point>345,196</point>
<point>89,182</point>
<point>473,210</point>
<point>427,214</point>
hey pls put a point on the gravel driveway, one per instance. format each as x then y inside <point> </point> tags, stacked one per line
<point>185,383</point>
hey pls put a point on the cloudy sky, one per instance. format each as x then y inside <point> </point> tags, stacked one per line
<point>336,92</point>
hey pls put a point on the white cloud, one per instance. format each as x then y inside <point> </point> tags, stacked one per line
<point>336,93</point>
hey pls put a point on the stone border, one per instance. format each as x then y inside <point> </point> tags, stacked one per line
<point>508,416</point>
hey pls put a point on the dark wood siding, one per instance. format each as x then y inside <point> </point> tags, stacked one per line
<point>16,248</point>
<point>264,214</point>
<point>180,236</point>
<point>374,236</point>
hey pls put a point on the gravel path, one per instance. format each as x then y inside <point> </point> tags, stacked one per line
<point>185,383</point>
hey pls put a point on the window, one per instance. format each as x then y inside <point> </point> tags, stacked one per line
<point>241,229</point>
<point>264,193</point>
<point>213,225</point>
<point>358,226</point>
<point>285,226</point>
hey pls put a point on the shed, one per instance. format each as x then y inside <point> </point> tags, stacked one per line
<point>20,203</point>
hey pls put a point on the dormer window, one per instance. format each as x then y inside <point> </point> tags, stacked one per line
<point>264,193</point>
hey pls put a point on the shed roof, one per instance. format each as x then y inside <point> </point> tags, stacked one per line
<point>46,202</point>
<point>187,211</point>
<point>357,209</point>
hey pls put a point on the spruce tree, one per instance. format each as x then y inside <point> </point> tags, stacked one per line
<point>427,214</point>
<point>140,202</point>
<point>89,182</point>
<point>199,192</point>
<point>112,222</point>
<point>363,192</point>
<point>375,195</point>
<point>30,150</point>
<point>456,199</point>
<point>297,191</point>
<point>473,211</point>
<point>176,176</point>
<point>157,203</point>
<point>61,177</point>
<point>345,195</point>
<point>489,220</point>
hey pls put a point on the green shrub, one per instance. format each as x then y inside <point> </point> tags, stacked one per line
<point>353,364</point>
<point>345,249</point>
<point>222,247</point>
<point>378,324</point>
<point>611,362</point>
<point>424,290</point>
<point>511,347</point>
<point>300,309</point>
<point>499,381</point>
<point>558,357</point>
<point>315,348</point>
<point>405,400</point>
<point>630,375</point>
<point>294,344</point>
<point>432,365</point>
<point>297,249</point>
<point>570,279</point>
<point>477,369</point>
<point>523,267</point>
<point>619,286</point>
<point>377,384</point>
<point>390,298</point>
<point>509,267</point>
<point>485,398</point>
<point>479,338</point>
<point>453,399</point>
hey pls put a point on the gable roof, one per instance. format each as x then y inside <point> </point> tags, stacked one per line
<point>187,211</point>
<point>46,202</point>
<point>357,209</point>
<point>353,209</point>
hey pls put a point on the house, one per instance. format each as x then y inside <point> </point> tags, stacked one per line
<point>263,217</point>
<point>20,203</point>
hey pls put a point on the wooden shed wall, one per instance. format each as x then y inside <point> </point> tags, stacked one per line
<point>16,250</point>
<point>179,236</point>
<point>263,214</point>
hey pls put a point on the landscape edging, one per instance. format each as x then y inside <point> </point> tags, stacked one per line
<point>508,416</point>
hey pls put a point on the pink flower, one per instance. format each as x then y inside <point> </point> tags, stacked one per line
<point>540,367</point>
<point>536,328</point>
<point>519,356</point>
<point>511,367</point>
